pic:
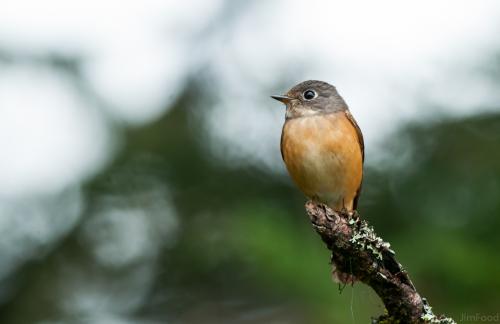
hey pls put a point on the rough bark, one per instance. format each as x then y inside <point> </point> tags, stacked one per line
<point>358,254</point>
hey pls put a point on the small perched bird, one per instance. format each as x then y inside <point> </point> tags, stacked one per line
<point>322,145</point>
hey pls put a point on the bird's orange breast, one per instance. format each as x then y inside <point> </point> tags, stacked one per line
<point>324,158</point>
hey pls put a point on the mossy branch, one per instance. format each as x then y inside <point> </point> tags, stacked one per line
<point>358,254</point>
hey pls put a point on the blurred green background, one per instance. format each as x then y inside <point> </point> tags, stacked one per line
<point>171,230</point>
<point>245,252</point>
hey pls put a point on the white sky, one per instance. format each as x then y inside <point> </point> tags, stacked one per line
<point>385,58</point>
<point>50,138</point>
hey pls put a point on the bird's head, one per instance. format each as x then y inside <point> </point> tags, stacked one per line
<point>311,98</point>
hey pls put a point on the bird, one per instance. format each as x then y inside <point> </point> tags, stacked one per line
<point>322,145</point>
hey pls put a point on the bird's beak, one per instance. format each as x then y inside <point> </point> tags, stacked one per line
<point>283,99</point>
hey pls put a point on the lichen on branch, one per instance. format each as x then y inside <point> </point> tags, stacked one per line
<point>358,254</point>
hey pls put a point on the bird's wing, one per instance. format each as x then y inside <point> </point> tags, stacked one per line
<point>362,147</point>
<point>358,132</point>
<point>281,143</point>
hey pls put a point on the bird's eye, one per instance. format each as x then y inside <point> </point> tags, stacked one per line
<point>309,94</point>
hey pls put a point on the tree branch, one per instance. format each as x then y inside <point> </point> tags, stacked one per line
<point>358,254</point>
